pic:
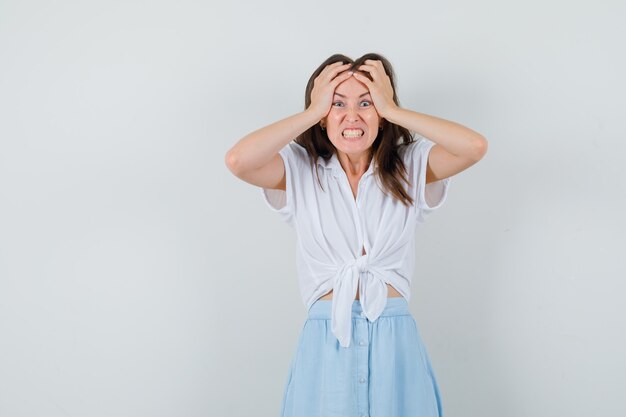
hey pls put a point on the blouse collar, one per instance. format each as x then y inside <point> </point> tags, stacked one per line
<point>335,167</point>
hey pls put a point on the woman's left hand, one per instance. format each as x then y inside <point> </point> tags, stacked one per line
<point>380,89</point>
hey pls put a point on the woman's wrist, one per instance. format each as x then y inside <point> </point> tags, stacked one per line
<point>315,114</point>
<point>393,114</point>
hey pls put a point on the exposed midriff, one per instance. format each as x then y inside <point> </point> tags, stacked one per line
<point>391,292</point>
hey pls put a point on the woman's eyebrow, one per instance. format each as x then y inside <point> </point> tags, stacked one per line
<point>341,95</point>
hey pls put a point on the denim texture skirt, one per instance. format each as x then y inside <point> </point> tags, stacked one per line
<point>385,372</point>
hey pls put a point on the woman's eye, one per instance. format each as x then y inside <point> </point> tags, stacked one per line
<point>340,103</point>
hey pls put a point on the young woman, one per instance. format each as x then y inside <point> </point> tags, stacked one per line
<point>355,186</point>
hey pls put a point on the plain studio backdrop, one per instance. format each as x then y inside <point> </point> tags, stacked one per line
<point>139,277</point>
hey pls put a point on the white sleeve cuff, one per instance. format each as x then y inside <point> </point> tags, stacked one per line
<point>432,195</point>
<point>280,201</point>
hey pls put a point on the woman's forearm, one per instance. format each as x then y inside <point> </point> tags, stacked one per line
<point>257,148</point>
<point>455,138</point>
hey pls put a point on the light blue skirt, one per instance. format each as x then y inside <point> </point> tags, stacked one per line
<point>385,372</point>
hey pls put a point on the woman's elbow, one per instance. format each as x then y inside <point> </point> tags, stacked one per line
<point>480,147</point>
<point>231,161</point>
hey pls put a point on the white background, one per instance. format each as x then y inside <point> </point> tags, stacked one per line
<point>139,277</point>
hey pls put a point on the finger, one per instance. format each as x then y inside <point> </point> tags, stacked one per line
<point>363,79</point>
<point>375,62</point>
<point>368,67</point>
<point>333,73</point>
<point>378,64</point>
<point>341,67</point>
<point>341,77</point>
<point>328,69</point>
<point>373,71</point>
<point>335,66</point>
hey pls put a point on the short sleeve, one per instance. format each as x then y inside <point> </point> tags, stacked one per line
<point>432,195</point>
<point>279,201</point>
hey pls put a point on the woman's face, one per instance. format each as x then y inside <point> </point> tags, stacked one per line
<point>352,122</point>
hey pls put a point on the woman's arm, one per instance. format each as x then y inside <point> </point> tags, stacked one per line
<point>457,139</point>
<point>456,147</point>
<point>257,149</point>
<point>255,158</point>
<point>256,154</point>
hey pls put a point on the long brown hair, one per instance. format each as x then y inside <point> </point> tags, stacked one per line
<point>391,170</point>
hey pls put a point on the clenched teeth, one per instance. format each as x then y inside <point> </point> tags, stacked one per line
<point>352,133</point>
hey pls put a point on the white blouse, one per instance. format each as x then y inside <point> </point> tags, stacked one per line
<point>333,228</point>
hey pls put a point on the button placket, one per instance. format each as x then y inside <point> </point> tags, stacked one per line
<point>362,368</point>
<point>355,205</point>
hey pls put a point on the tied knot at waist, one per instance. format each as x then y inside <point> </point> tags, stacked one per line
<point>361,263</point>
<point>370,280</point>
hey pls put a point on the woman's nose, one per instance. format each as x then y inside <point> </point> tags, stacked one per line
<point>352,114</point>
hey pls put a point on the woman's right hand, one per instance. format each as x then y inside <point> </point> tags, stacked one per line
<point>324,87</point>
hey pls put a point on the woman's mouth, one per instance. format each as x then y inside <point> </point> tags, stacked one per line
<point>352,134</point>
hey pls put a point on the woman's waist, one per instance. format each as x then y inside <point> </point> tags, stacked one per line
<point>391,292</point>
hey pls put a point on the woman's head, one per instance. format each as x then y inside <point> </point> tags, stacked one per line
<point>381,138</point>
<point>355,64</point>
<point>352,124</point>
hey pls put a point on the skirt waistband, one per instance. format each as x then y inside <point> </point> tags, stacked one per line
<point>396,306</point>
